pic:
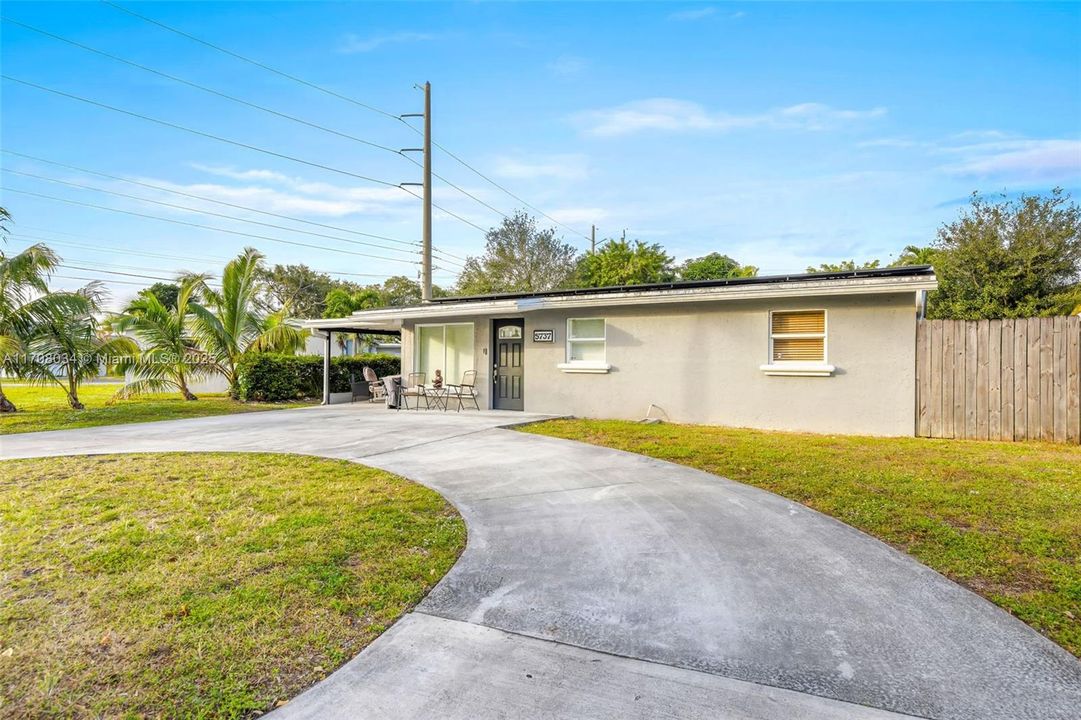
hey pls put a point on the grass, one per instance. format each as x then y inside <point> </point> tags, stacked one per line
<point>46,408</point>
<point>206,585</point>
<point>1003,519</point>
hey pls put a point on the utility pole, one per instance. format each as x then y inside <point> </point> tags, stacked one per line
<point>624,234</point>
<point>426,226</point>
<point>593,240</point>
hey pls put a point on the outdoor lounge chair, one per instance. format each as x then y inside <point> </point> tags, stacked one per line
<point>376,389</point>
<point>414,388</point>
<point>464,391</point>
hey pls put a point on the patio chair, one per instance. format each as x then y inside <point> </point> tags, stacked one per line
<point>376,389</point>
<point>465,390</point>
<point>414,388</point>
<point>358,389</point>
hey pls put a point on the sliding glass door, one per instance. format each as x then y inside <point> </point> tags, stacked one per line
<point>448,348</point>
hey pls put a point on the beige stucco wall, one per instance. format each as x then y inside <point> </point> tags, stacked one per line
<point>700,363</point>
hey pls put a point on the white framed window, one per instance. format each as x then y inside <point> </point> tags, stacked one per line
<point>448,348</point>
<point>797,343</point>
<point>587,346</point>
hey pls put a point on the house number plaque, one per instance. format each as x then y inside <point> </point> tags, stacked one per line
<point>544,336</point>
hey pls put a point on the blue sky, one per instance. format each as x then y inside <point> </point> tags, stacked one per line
<point>781,134</point>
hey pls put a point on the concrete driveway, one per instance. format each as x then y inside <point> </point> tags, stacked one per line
<point>600,584</point>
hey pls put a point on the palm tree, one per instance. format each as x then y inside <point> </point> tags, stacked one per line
<point>69,347</point>
<point>25,302</point>
<point>169,357</point>
<point>232,322</point>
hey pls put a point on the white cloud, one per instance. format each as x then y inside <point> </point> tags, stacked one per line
<point>567,65</point>
<point>690,15</point>
<point>562,167</point>
<point>356,44</point>
<point>681,115</point>
<point>1039,160</point>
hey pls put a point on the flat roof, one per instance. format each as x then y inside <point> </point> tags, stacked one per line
<point>901,271</point>
<point>875,281</point>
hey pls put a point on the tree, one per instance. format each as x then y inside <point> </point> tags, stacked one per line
<point>843,266</point>
<point>168,357</point>
<point>625,262</point>
<point>232,322</point>
<point>916,255</point>
<point>26,304</point>
<point>714,266</point>
<point>299,287</point>
<point>165,292</point>
<point>69,347</point>
<point>1010,258</point>
<point>518,258</point>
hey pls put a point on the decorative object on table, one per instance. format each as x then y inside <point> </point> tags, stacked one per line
<point>437,381</point>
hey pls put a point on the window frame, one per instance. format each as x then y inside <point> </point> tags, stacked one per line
<point>798,367</point>
<point>443,367</point>
<point>589,366</point>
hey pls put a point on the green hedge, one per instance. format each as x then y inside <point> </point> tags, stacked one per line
<point>267,377</point>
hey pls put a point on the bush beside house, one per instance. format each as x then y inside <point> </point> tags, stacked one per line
<point>268,377</point>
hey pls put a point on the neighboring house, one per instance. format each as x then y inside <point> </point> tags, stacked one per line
<point>824,352</point>
<point>314,346</point>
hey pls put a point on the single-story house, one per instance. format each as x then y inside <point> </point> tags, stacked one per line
<point>822,352</point>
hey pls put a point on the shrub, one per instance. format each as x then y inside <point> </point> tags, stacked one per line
<point>267,377</point>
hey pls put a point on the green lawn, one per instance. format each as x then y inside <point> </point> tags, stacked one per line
<point>1003,519</point>
<point>207,585</point>
<point>46,408</point>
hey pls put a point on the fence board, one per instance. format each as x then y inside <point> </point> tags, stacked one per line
<point>923,385</point>
<point>1020,370</point>
<point>948,336</point>
<point>1034,417</point>
<point>993,377</point>
<point>1007,380</point>
<point>1073,379</point>
<point>1012,379</point>
<point>980,360</point>
<point>1058,380</point>
<point>1047,379</point>
<point>935,380</point>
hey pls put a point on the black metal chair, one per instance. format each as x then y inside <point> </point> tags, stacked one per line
<point>467,389</point>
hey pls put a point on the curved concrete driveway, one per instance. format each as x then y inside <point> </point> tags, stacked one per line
<point>602,584</point>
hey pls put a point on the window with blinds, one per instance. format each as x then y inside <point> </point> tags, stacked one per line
<point>798,336</point>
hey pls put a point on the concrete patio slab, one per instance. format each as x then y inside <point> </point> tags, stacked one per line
<point>580,552</point>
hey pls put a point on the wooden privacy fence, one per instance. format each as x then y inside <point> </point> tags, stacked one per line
<point>999,379</point>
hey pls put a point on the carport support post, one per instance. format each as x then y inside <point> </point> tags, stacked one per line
<point>326,368</point>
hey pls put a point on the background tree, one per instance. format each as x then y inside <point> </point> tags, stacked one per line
<point>299,287</point>
<point>165,292</point>
<point>70,347</point>
<point>1010,258</point>
<point>233,321</point>
<point>518,258</point>
<point>714,266</point>
<point>625,262</point>
<point>843,266</point>
<point>916,255</point>
<point>168,358</point>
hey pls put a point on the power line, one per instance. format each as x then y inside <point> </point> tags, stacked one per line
<point>97,247</point>
<point>206,199</point>
<point>203,88</point>
<point>256,63</point>
<point>114,272</point>
<point>200,133</point>
<point>205,227</point>
<point>354,101</point>
<point>91,279</point>
<point>206,212</point>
